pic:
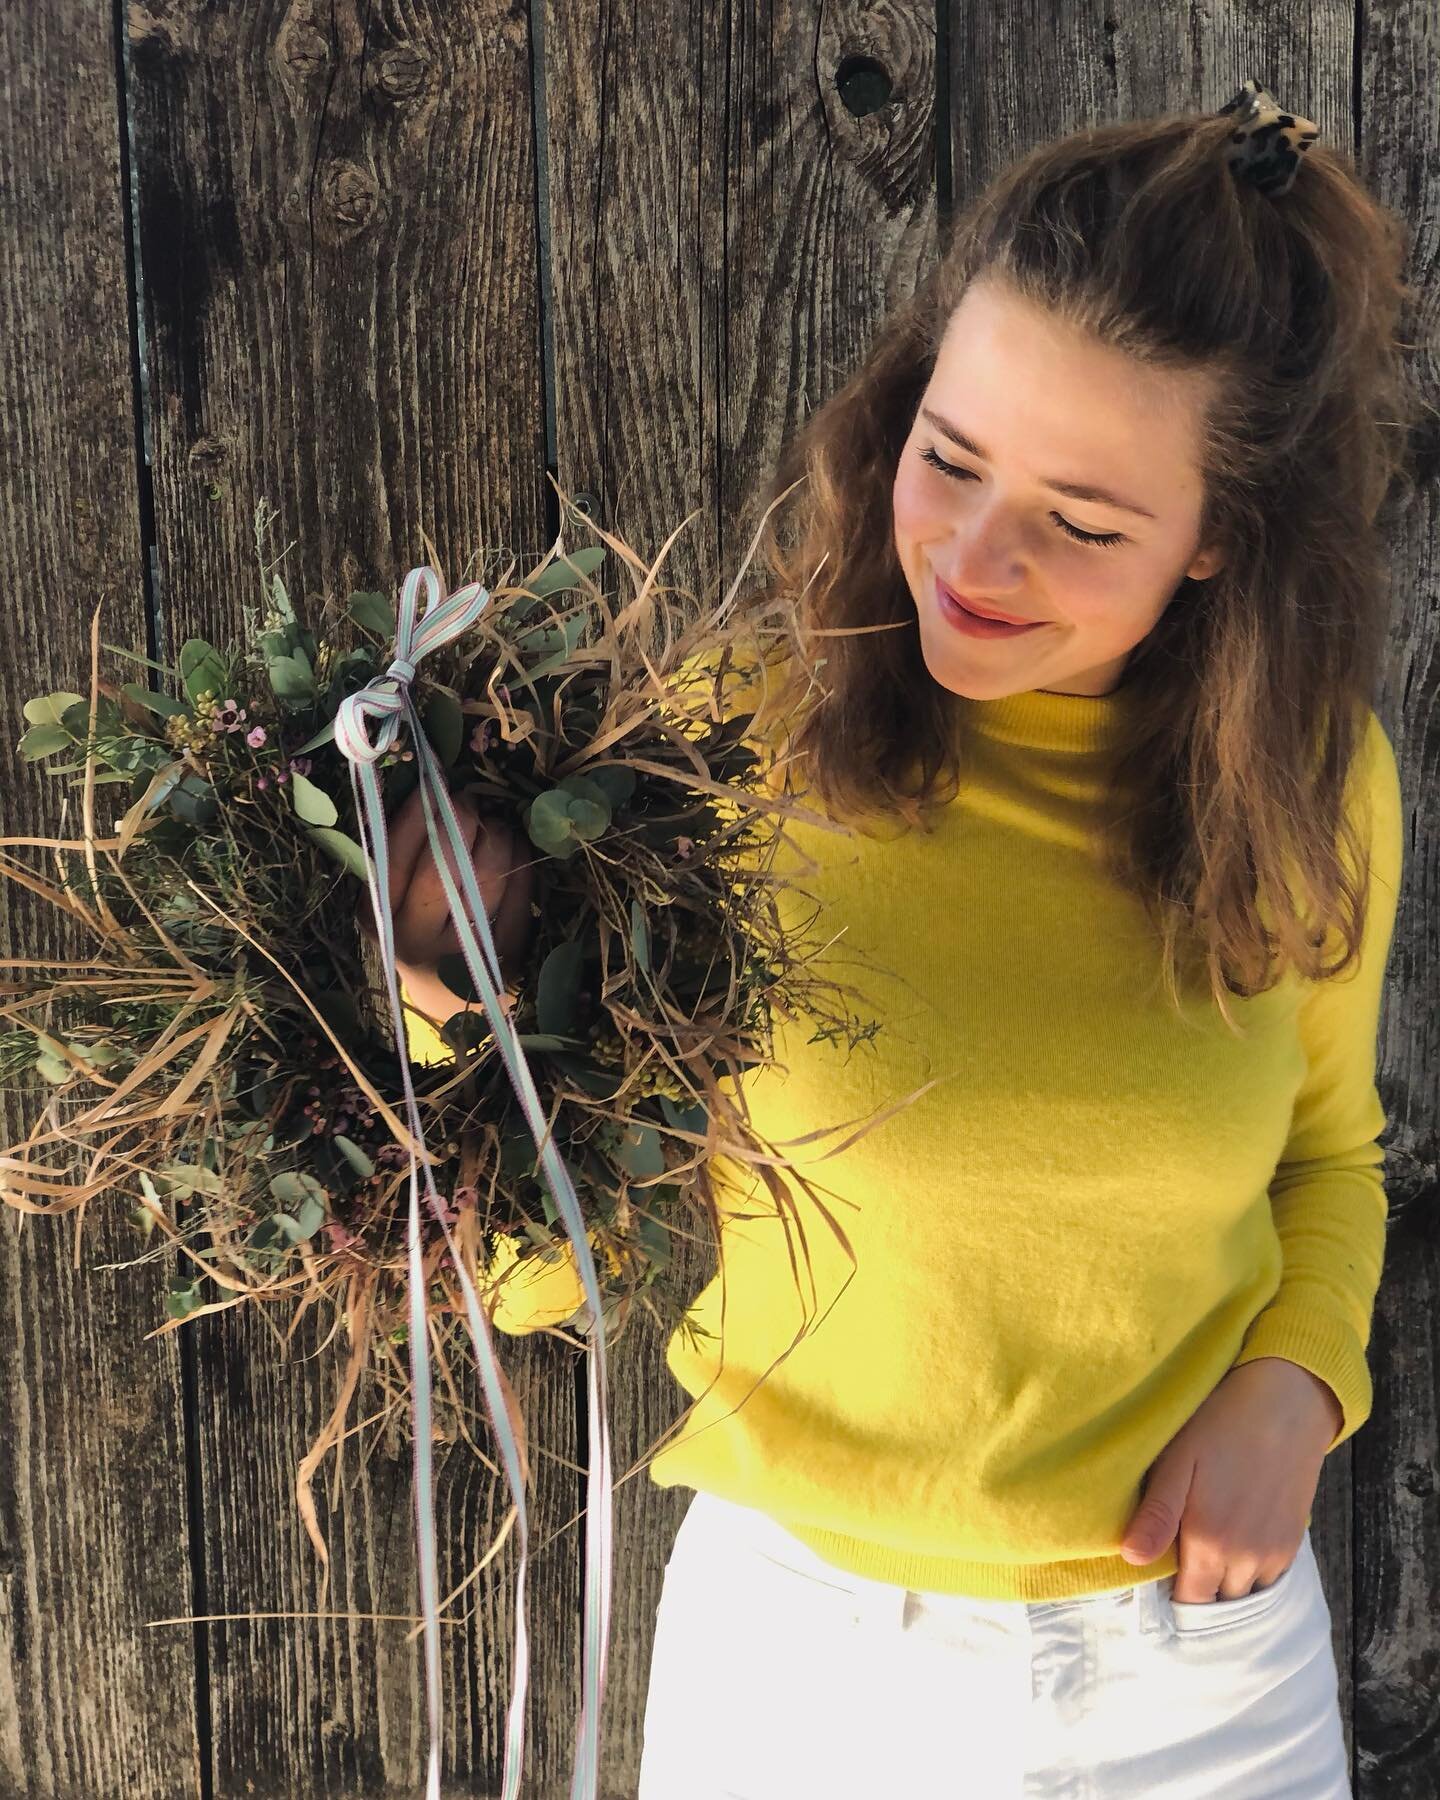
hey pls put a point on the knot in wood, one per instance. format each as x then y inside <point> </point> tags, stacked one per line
<point>348,196</point>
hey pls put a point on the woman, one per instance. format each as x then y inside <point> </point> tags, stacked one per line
<point>1025,1509</point>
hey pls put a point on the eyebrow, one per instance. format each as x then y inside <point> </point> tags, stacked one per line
<point>1075,490</point>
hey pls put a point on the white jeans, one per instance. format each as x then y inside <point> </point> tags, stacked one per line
<point>776,1676</point>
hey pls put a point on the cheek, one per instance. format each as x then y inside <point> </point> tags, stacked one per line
<point>915,513</point>
<point>1113,602</point>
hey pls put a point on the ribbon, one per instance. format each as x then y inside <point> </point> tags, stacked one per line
<point>385,704</point>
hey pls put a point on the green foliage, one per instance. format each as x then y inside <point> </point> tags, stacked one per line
<point>558,989</point>
<point>567,571</point>
<point>303,1199</point>
<point>444,726</point>
<point>161,704</point>
<point>639,936</point>
<point>193,800</point>
<point>202,670</point>
<point>373,612</point>
<point>49,709</point>
<point>639,1151</point>
<point>291,677</point>
<point>245,885</point>
<point>44,740</point>
<point>343,849</point>
<point>185,1295</point>
<point>564,817</point>
<point>353,1154</point>
<point>311,803</point>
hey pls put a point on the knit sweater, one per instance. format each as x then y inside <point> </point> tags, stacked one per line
<point>1098,1208</point>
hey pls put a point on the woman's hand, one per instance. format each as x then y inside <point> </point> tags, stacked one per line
<point>1238,1481</point>
<point>424,930</point>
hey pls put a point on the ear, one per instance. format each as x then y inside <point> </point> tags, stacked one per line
<point>1205,564</point>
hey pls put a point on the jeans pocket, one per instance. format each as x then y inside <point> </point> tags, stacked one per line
<point>1194,1617</point>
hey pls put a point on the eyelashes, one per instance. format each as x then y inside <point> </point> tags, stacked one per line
<point>1102,540</point>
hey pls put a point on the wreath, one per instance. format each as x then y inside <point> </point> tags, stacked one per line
<point>236,1052</point>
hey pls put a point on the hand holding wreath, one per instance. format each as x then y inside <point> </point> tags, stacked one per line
<point>424,930</point>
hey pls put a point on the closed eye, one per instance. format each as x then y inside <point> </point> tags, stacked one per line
<point>1102,540</point>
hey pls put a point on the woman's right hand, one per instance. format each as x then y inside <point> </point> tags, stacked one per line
<point>504,866</point>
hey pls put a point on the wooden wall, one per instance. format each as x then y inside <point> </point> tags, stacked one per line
<point>386,267</point>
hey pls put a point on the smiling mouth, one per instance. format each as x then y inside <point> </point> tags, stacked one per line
<point>983,612</point>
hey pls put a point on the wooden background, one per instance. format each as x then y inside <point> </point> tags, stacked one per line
<point>386,266</point>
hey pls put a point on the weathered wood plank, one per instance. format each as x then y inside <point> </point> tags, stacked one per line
<point>339,266</point>
<point>1397,1537</point>
<point>94,1539</point>
<point>725,234</point>
<point>338,254</point>
<point>1393,1607</point>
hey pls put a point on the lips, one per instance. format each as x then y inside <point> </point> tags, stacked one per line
<point>983,612</point>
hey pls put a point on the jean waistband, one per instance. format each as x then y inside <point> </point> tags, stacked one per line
<point>715,1515</point>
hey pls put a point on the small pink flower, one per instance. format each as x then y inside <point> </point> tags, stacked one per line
<point>299,765</point>
<point>229,716</point>
<point>255,738</point>
<point>683,847</point>
<point>482,737</point>
<point>262,783</point>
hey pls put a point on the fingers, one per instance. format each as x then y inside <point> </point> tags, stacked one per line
<point>407,838</point>
<point>504,873</point>
<point>504,869</point>
<point>424,930</point>
<point>405,834</point>
<point>510,924</point>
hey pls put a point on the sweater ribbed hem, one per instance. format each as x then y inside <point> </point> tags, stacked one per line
<point>1077,1580</point>
<point>982,1580</point>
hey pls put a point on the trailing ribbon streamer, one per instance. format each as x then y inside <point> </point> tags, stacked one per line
<point>386,703</point>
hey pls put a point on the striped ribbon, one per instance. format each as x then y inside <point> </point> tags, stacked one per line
<point>385,704</point>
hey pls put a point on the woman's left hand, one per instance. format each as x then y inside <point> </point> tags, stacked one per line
<point>1238,1481</point>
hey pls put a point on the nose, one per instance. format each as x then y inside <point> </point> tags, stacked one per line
<point>987,558</point>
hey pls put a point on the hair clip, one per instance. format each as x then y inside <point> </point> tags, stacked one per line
<point>1268,142</point>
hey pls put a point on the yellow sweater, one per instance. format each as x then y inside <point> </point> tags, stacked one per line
<point>1063,1246</point>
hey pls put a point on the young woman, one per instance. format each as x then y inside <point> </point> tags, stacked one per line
<point>1025,1509</point>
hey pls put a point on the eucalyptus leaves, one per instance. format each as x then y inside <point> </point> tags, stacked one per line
<point>577,811</point>
<point>229,1010</point>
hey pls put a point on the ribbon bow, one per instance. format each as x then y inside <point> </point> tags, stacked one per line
<point>386,703</point>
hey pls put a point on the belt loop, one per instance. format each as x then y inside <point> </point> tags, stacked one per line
<point>1151,1599</point>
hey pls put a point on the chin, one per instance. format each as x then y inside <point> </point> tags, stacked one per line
<point>966,685</point>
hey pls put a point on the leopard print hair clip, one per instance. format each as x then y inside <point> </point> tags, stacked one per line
<point>1267,144</point>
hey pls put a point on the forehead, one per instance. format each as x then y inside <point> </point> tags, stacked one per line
<point>1032,389</point>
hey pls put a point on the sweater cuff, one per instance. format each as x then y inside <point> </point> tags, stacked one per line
<point>422,1033</point>
<point>1321,1343</point>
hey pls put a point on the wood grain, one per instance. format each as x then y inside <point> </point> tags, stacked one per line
<point>386,268</point>
<point>337,230</point>
<point>95,1537</point>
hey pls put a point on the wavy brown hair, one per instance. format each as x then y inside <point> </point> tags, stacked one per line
<point>1253,693</point>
